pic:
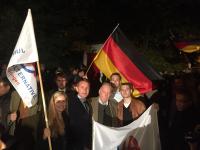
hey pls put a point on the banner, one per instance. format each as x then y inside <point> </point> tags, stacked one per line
<point>21,69</point>
<point>141,134</point>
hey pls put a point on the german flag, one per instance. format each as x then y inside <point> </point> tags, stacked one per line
<point>118,55</point>
<point>188,47</point>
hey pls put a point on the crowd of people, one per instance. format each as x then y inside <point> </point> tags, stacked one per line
<point>72,103</point>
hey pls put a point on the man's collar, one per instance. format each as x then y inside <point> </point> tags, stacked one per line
<point>81,99</point>
<point>62,90</point>
<point>99,100</point>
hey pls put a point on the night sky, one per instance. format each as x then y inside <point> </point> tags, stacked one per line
<point>63,28</point>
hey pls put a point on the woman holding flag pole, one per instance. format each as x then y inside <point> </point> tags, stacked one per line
<point>23,80</point>
<point>58,123</point>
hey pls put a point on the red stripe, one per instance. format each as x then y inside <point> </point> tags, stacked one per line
<point>181,45</point>
<point>126,67</point>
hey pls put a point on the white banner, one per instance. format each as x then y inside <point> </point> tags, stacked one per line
<point>21,69</point>
<point>141,134</point>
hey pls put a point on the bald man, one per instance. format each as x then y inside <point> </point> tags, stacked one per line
<point>104,109</point>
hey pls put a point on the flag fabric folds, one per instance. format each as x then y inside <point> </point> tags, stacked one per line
<point>141,134</point>
<point>118,55</point>
<point>21,68</point>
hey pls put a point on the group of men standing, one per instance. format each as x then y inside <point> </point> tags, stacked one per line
<point>114,106</point>
<point>104,108</point>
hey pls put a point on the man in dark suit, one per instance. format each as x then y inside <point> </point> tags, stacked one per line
<point>61,84</point>
<point>80,122</point>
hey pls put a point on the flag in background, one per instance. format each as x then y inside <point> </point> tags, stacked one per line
<point>188,47</point>
<point>21,68</point>
<point>141,134</point>
<point>118,55</point>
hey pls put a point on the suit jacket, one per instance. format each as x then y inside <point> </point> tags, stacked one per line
<point>136,108</point>
<point>14,107</point>
<point>95,113</point>
<point>80,124</point>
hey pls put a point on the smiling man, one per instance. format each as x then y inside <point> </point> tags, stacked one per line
<point>104,109</point>
<point>80,117</point>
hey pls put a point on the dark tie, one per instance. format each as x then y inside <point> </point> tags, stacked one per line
<point>86,106</point>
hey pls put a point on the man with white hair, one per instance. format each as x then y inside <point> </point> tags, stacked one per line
<point>104,109</point>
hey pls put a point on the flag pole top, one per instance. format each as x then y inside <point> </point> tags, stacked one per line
<point>115,29</point>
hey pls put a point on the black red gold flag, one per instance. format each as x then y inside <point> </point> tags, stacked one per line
<point>118,55</point>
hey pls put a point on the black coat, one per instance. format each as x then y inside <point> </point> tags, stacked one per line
<point>80,124</point>
<point>4,109</point>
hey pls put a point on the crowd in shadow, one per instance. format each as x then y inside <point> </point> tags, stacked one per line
<point>73,98</point>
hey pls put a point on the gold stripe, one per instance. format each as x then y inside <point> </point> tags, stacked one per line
<point>191,48</point>
<point>106,66</point>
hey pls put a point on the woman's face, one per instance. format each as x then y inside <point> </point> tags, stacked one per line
<point>60,103</point>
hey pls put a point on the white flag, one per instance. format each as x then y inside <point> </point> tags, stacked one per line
<point>21,69</point>
<point>141,134</point>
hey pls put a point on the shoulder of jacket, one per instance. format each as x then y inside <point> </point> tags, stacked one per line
<point>93,99</point>
<point>14,94</point>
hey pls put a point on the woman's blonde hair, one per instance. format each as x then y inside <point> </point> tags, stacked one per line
<point>56,123</point>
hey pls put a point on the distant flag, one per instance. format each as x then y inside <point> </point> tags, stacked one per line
<point>21,69</point>
<point>141,134</point>
<point>188,47</point>
<point>118,55</point>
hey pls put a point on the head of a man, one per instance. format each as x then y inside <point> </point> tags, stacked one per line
<point>83,88</point>
<point>61,80</point>
<point>115,78</point>
<point>126,90</point>
<point>105,92</point>
<point>4,86</point>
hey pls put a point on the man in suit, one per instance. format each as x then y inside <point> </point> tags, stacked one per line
<point>104,109</point>
<point>24,121</point>
<point>80,122</point>
<point>60,85</point>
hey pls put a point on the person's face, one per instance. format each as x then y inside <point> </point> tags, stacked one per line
<point>104,93</point>
<point>182,103</point>
<point>125,91</point>
<point>3,88</point>
<point>61,82</point>
<point>81,73</point>
<point>115,79</point>
<point>83,89</point>
<point>60,103</point>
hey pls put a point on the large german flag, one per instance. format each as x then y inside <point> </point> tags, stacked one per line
<point>117,55</point>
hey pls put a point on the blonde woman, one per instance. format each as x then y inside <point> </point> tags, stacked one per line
<point>58,123</point>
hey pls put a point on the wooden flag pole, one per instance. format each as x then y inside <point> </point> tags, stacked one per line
<point>44,103</point>
<point>101,49</point>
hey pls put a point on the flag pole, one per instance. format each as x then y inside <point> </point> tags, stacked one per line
<point>101,49</point>
<point>44,103</point>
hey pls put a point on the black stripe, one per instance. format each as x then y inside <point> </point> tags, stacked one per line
<point>135,56</point>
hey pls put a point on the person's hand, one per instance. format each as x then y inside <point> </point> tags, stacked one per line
<point>13,116</point>
<point>2,145</point>
<point>47,133</point>
<point>85,77</point>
